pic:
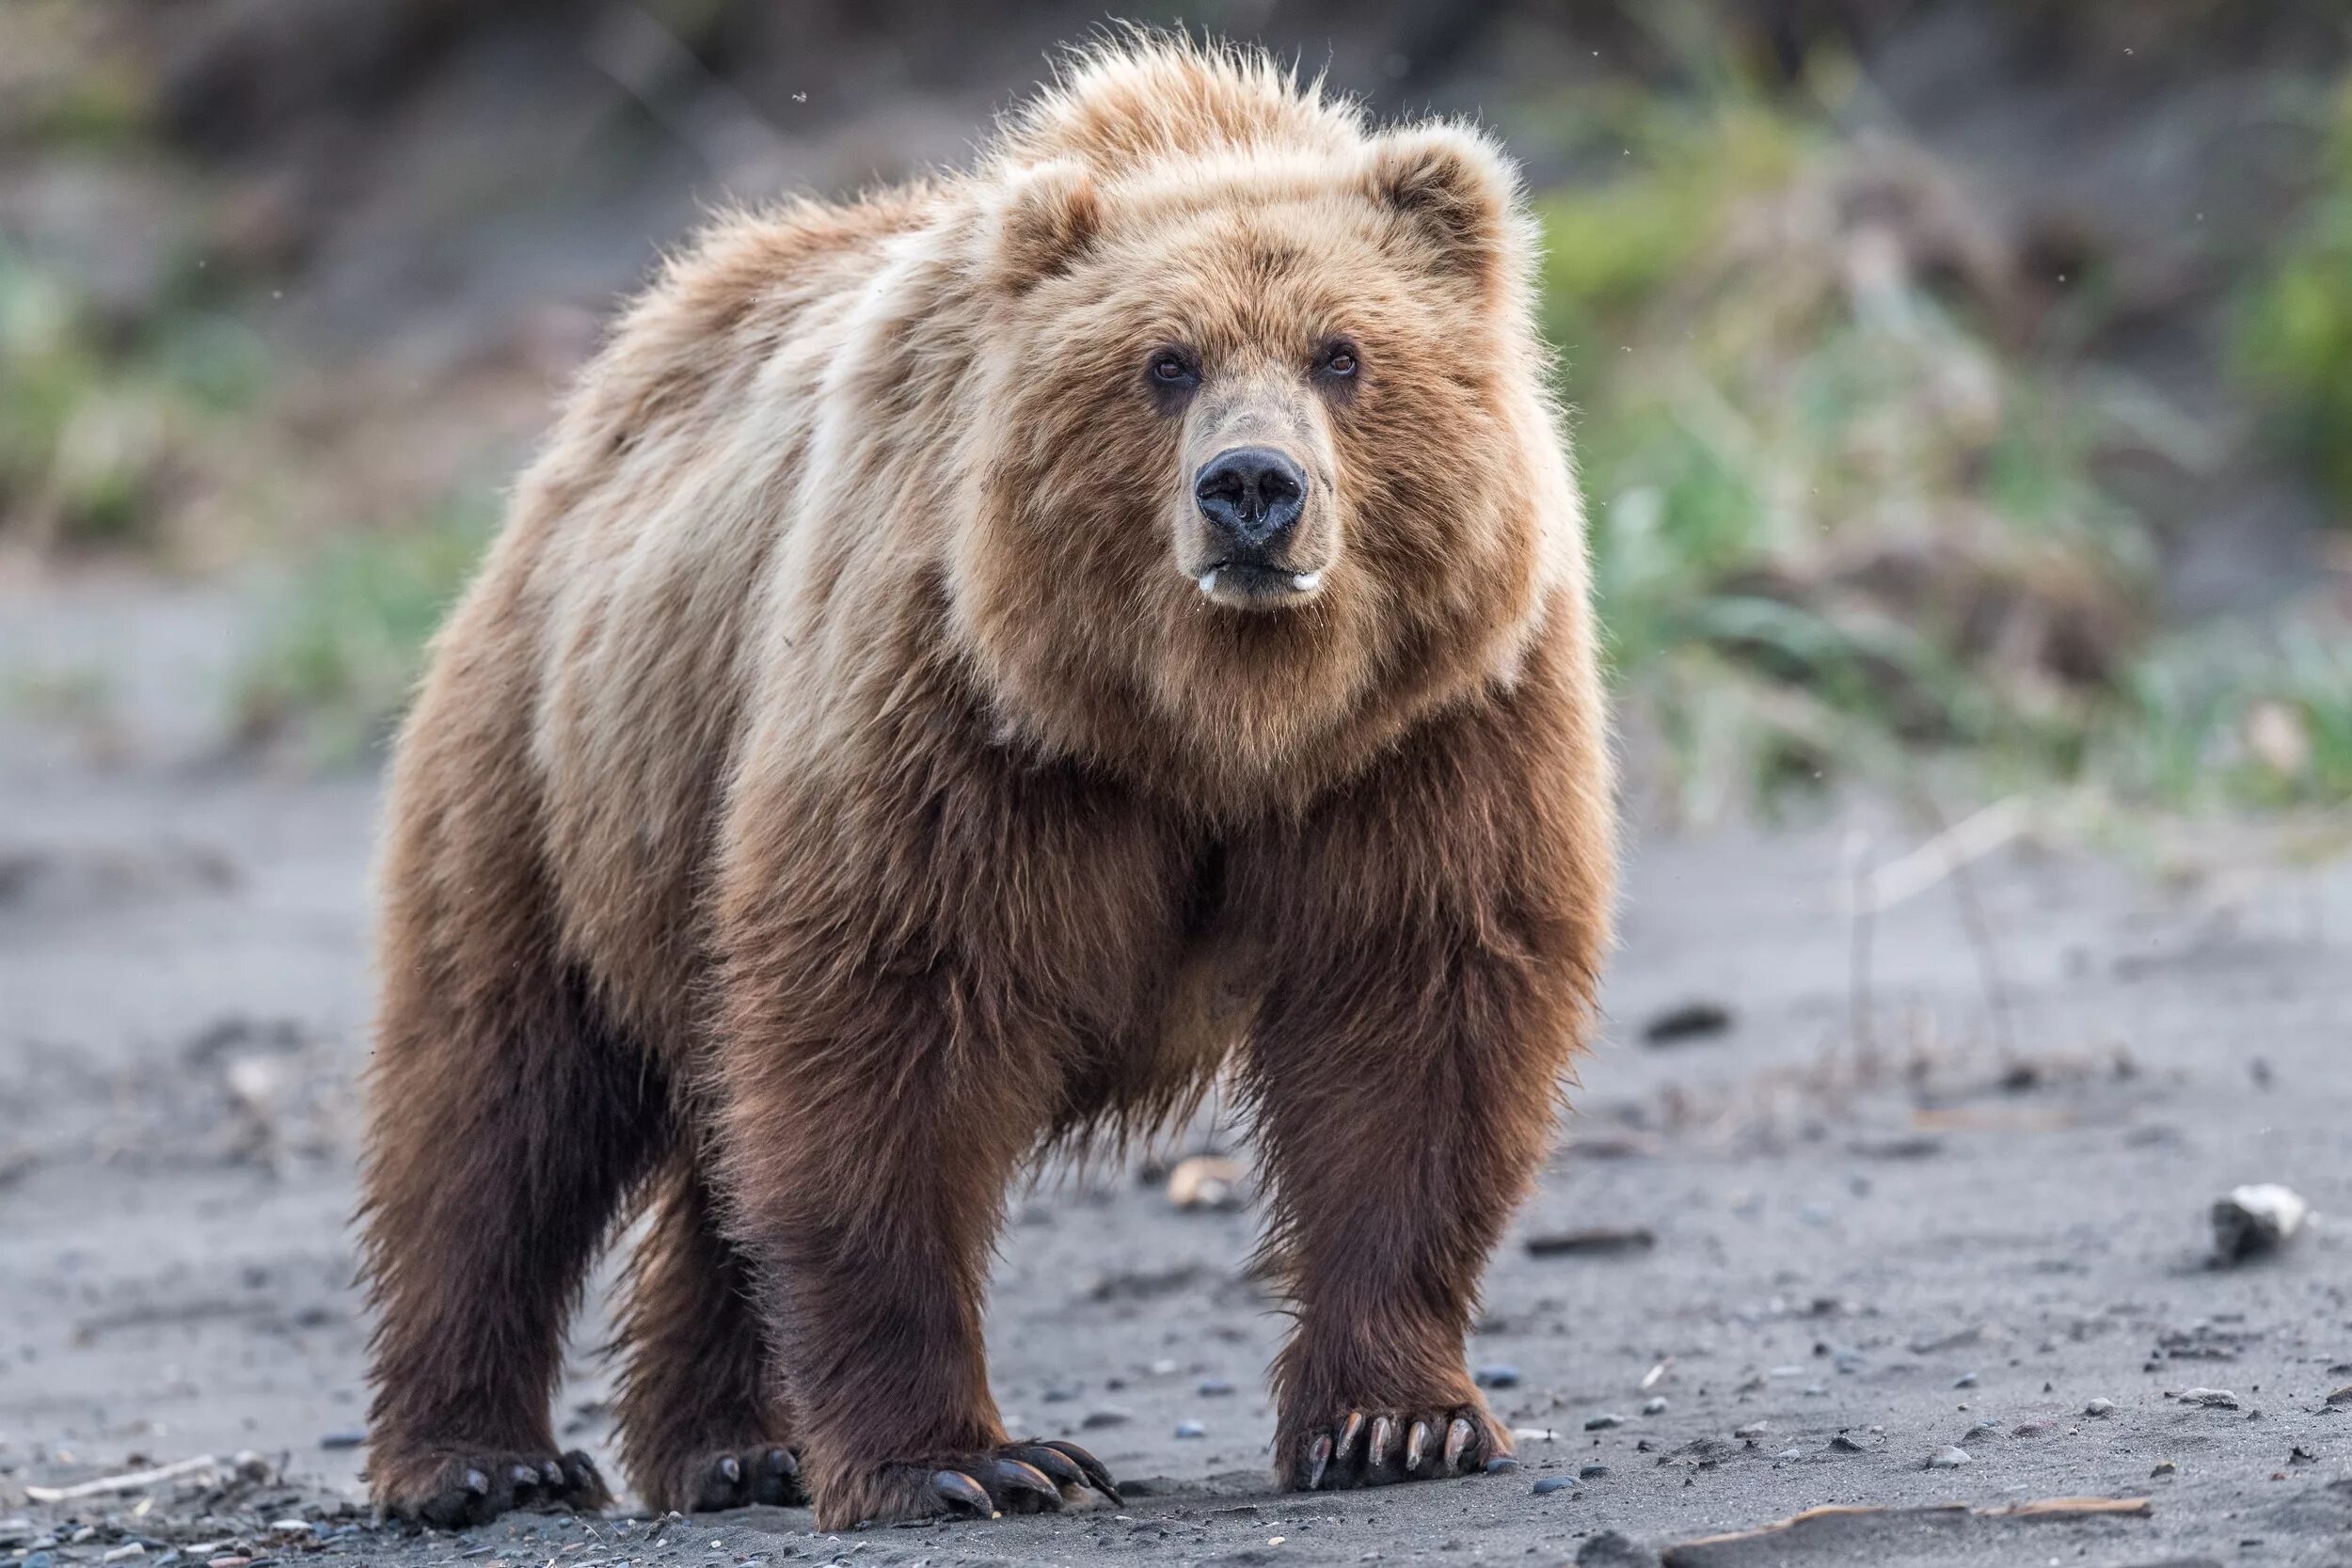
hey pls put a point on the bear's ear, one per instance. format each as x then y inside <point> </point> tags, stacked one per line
<point>1046,218</point>
<point>1454,187</point>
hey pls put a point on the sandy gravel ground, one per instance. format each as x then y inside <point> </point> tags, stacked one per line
<point>1959,1232</point>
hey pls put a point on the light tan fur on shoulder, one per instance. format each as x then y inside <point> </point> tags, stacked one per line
<point>969,665</point>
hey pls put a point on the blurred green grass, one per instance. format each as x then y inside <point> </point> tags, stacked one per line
<point>105,429</point>
<point>2293,342</point>
<point>344,641</point>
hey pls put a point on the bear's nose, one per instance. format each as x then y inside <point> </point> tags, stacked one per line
<point>1252,496</point>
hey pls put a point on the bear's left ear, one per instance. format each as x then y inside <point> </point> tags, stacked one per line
<point>1456,187</point>
<point>1045,220</point>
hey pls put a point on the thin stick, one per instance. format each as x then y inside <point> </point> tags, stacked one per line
<point>130,1481</point>
<point>1980,933</point>
<point>1859,1001</point>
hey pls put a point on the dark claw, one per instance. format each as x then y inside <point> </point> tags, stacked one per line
<point>1318,1459</point>
<point>1055,1463</point>
<point>1383,1434</point>
<point>778,1480</point>
<point>1097,1477</point>
<point>1415,1441</point>
<point>553,1475</point>
<point>579,1473</point>
<point>1027,1480</point>
<point>1459,1454</point>
<point>730,1469</point>
<point>477,1484</point>
<point>962,1493</point>
<point>1345,1448</point>
<point>525,1480</point>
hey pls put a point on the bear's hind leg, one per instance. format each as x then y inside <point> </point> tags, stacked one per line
<point>507,1123</point>
<point>702,1423</point>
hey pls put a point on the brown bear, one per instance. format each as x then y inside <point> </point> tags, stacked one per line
<point>970,666</point>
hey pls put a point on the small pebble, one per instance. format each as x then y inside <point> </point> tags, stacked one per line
<point>1982,1429</point>
<point>1843,1443</point>
<point>1753,1430</point>
<point>1549,1485</point>
<point>2100,1408</point>
<point>2164,1468</point>
<point>125,1553</point>
<point>1592,1472</point>
<point>1191,1429</point>
<point>40,1560</point>
<point>346,1437</point>
<point>1790,1453</point>
<point>1096,1419</point>
<point>1215,1387</point>
<point>1501,1464</point>
<point>2212,1399</point>
<point>1496,1374</point>
<point>2031,1429</point>
<point>1965,1380</point>
<point>1603,1421</point>
<point>1949,1459</point>
<point>1655,1406</point>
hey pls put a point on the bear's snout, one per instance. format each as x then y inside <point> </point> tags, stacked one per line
<point>1251,501</point>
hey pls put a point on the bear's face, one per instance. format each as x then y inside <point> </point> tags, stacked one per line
<point>1256,454</point>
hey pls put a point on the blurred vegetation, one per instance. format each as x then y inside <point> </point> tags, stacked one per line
<point>104,430</point>
<point>346,637</point>
<point>2296,342</point>
<point>1846,518</point>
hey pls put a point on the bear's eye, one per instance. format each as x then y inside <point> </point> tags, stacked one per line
<point>1337,362</point>
<point>1172,370</point>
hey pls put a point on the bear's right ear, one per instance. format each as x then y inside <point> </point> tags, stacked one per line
<point>1044,221</point>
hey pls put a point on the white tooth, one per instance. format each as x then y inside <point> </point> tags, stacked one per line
<point>1307,582</point>
<point>1208,581</point>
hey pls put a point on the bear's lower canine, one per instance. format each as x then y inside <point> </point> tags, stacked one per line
<point>969,667</point>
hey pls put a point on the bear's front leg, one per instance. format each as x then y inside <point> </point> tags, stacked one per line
<point>1402,1114</point>
<point>1431,962</point>
<point>867,1171</point>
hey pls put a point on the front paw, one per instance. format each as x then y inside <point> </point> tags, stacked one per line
<point>1363,1445</point>
<point>454,1487</point>
<point>1016,1478</point>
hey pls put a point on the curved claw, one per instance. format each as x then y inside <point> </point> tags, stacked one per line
<point>1097,1477</point>
<point>580,1475</point>
<point>1457,1443</point>
<point>779,1478</point>
<point>729,1469</point>
<point>477,1484</point>
<point>1318,1459</point>
<point>1383,1435</point>
<point>1058,1468</point>
<point>551,1476</point>
<point>1353,1428</point>
<point>964,1496</point>
<point>1415,1441</point>
<point>526,1480</point>
<point>1027,1481</point>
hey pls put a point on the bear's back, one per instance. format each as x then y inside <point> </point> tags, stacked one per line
<point>642,540</point>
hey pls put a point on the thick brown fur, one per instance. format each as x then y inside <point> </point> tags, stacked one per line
<point>849,777</point>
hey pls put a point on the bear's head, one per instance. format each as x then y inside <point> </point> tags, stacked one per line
<point>1265,466</point>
